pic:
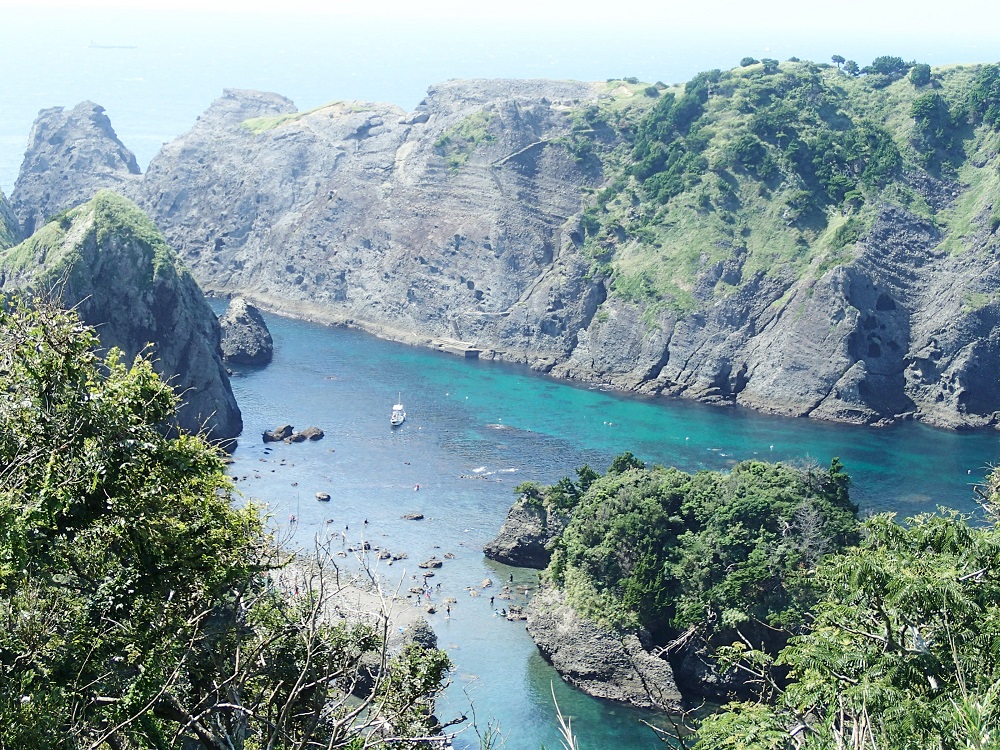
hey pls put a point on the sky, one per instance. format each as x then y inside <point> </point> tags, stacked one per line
<point>847,16</point>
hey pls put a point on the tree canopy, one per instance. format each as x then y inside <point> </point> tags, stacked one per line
<point>135,595</point>
<point>901,651</point>
<point>663,549</point>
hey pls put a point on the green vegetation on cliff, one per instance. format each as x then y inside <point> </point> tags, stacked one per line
<point>882,635</point>
<point>50,255</point>
<point>458,142</point>
<point>666,550</point>
<point>137,600</point>
<point>8,224</point>
<point>778,169</point>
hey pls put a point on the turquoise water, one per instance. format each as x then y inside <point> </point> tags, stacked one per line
<point>506,425</point>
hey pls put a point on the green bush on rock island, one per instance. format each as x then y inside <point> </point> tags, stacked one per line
<point>865,635</point>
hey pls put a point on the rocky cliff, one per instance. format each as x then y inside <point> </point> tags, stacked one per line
<point>70,156</point>
<point>108,261</point>
<point>508,215</point>
<point>9,229</point>
<point>526,535</point>
<point>599,661</point>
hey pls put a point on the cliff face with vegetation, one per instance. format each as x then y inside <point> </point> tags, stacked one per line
<point>787,236</point>
<point>105,259</point>
<point>8,224</point>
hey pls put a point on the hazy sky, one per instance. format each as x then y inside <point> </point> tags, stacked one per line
<point>862,16</point>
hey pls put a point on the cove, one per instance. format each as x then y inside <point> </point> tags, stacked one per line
<point>474,430</point>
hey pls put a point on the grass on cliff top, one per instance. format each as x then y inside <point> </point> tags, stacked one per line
<point>43,248</point>
<point>979,201</point>
<point>116,216</point>
<point>258,125</point>
<point>48,256</point>
<point>457,143</point>
<point>709,171</point>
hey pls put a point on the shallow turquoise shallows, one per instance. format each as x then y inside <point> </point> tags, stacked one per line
<point>474,430</point>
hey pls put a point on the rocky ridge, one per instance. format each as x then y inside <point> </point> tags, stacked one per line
<point>460,221</point>
<point>78,144</point>
<point>108,262</point>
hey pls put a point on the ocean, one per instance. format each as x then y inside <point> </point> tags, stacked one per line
<point>474,431</point>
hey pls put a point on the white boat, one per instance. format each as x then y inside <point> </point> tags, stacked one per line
<point>398,413</point>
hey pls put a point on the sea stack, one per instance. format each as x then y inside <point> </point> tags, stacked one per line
<point>106,259</point>
<point>245,338</point>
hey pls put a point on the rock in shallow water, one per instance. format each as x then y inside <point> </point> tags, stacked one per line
<point>245,338</point>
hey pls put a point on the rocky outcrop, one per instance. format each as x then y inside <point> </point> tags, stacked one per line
<point>10,231</point>
<point>105,259</point>
<point>526,534</point>
<point>901,331</point>
<point>278,433</point>
<point>598,661</point>
<point>70,156</point>
<point>245,338</point>
<point>461,221</point>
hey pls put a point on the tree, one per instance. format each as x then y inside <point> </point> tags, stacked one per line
<point>984,96</point>
<point>747,61</point>
<point>838,59</point>
<point>851,68</point>
<point>901,651</point>
<point>624,462</point>
<point>770,64</point>
<point>920,74</point>
<point>139,605</point>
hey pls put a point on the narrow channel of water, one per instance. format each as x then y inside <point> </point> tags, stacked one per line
<point>474,430</point>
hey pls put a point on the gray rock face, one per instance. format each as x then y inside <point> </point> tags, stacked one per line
<point>79,144</point>
<point>139,298</point>
<point>460,221</point>
<point>902,331</point>
<point>525,536</point>
<point>10,231</point>
<point>245,338</point>
<point>599,662</point>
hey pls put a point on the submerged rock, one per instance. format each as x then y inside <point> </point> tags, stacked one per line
<point>309,433</point>
<point>245,338</point>
<point>278,434</point>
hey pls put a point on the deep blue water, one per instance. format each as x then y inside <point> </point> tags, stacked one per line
<point>508,425</point>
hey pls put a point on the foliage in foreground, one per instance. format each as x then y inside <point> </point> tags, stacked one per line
<point>136,609</point>
<point>902,651</point>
